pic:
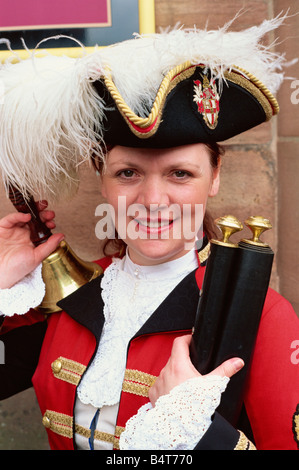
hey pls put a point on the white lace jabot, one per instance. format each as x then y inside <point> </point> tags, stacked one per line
<point>131,293</point>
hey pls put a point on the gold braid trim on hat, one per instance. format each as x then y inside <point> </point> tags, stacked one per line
<point>244,79</point>
<point>164,89</point>
<point>248,85</point>
<point>262,88</point>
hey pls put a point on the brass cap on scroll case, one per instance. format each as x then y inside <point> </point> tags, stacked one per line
<point>257,225</point>
<point>228,225</point>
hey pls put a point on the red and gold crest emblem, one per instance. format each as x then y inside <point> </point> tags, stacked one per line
<point>207,98</point>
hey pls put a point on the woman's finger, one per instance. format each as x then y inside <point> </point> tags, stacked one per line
<point>13,219</point>
<point>181,346</point>
<point>47,217</point>
<point>229,367</point>
<point>42,205</point>
<point>45,249</point>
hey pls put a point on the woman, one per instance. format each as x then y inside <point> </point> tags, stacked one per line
<point>113,368</point>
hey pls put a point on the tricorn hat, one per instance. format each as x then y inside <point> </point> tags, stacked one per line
<point>162,90</point>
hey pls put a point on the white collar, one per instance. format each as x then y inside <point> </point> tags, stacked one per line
<point>187,262</point>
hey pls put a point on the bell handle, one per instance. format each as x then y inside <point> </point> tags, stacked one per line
<point>39,232</point>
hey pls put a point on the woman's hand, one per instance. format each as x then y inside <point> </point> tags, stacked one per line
<point>179,368</point>
<point>18,256</point>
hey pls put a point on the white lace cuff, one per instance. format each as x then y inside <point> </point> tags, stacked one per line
<point>27,293</point>
<point>178,420</point>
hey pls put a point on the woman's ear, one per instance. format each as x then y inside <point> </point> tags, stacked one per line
<point>215,181</point>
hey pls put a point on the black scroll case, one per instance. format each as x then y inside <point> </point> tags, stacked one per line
<point>229,311</point>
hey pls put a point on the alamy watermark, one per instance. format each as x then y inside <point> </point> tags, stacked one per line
<point>295,93</point>
<point>135,221</point>
<point>295,353</point>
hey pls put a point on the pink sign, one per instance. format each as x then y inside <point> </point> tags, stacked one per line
<point>46,14</point>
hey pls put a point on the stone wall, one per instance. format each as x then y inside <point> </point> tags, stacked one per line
<point>259,176</point>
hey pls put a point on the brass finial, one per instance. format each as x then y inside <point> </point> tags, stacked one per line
<point>228,225</point>
<point>257,225</point>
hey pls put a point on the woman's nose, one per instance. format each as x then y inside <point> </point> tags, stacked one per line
<point>153,191</point>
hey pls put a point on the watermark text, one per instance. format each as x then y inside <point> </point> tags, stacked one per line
<point>295,93</point>
<point>156,222</point>
<point>295,353</point>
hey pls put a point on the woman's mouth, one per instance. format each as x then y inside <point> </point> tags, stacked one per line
<point>154,226</point>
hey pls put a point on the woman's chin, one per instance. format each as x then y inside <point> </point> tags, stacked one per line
<point>151,252</point>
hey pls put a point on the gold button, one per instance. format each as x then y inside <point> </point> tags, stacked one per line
<point>56,366</point>
<point>46,422</point>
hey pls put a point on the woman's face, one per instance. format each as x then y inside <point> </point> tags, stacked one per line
<point>159,198</point>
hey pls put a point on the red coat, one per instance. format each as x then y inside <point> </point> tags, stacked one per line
<point>71,338</point>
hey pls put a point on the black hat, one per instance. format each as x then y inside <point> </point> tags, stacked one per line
<point>190,107</point>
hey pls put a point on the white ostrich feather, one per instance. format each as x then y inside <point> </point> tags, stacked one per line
<point>51,119</point>
<point>48,124</point>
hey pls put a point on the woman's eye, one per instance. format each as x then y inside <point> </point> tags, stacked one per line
<point>126,173</point>
<point>181,174</point>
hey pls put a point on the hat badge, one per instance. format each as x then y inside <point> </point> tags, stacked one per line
<point>207,98</point>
